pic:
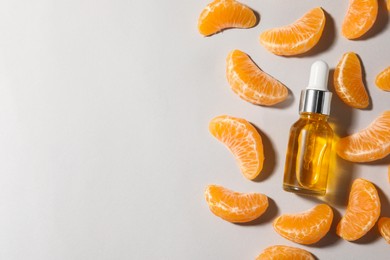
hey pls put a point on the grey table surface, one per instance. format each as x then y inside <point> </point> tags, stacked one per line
<point>104,143</point>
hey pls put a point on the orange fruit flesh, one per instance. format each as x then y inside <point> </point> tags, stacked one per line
<point>223,14</point>
<point>280,252</point>
<point>362,212</point>
<point>243,140</point>
<point>369,144</point>
<point>296,38</point>
<point>252,84</point>
<point>383,79</point>
<point>360,17</point>
<point>384,228</point>
<point>388,173</point>
<point>348,81</point>
<point>234,206</point>
<point>306,227</point>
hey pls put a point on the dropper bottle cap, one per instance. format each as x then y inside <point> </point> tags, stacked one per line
<point>316,98</point>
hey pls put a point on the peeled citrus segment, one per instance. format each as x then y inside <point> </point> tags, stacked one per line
<point>223,14</point>
<point>388,173</point>
<point>306,227</point>
<point>280,252</point>
<point>243,140</point>
<point>348,81</point>
<point>383,78</point>
<point>251,83</point>
<point>369,144</point>
<point>361,16</point>
<point>296,38</point>
<point>234,206</point>
<point>363,210</point>
<point>384,228</point>
<point>388,5</point>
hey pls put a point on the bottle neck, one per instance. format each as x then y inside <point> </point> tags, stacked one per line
<point>315,101</point>
<point>314,116</point>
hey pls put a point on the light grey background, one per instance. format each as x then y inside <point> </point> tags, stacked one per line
<point>104,143</point>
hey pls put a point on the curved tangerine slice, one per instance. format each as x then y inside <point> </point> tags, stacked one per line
<point>360,17</point>
<point>383,78</point>
<point>243,140</point>
<point>307,227</point>
<point>234,206</point>
<point>369,144</point>
<point>251,83</point>
<point>348,81</point>
<point>388,173</point>
<point>362,212</point>
<point>284,253</point>
<point>384,228</point>
<point>223,14</point>
<point>298,37</point>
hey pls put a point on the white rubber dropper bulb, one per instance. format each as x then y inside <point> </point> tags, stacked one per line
<point>319,76</point>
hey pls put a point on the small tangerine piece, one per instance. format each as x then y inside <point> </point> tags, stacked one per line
<point>297,37</point>
<point>234,206</point>
<point>362,212</point>
<point>306,227</point>
<point>223,14</point>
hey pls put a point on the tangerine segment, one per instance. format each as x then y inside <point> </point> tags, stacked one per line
<point>388,5</point>
<point>284,253</point>
<point>360,17</point>
<point>388,170</point>
<point>348,81</point>
<point>223,14</point>
<point>363,210</point>
<point>234,206</point>
<point>243,140</point>
<point>251,83</point>
<point>384,228</point>
<point>383,78</point>
<point>369,144</point>
<point>307,227</point>
<point>296,38</point>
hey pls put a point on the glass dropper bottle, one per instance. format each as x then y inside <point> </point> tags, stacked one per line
<point>309,147</point>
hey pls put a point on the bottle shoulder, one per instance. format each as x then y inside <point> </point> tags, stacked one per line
<point>312,124</point>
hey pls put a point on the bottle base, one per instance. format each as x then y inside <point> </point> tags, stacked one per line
<point>300,190</point>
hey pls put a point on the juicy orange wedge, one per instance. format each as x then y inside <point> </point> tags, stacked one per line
<point>223,14</point>
<point>307,227</point>
<point>384,228</point>
<point>234,206</point>
<point>251,83</point>
<point>243,140</point>
<point>280,252</point>
<point>388,5</point>
<point>383,78</point>
<point>361,16</point>
<point>348,81</point>
<point>296,38</point>
<point>363,210</point>
<point>369,144</point>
